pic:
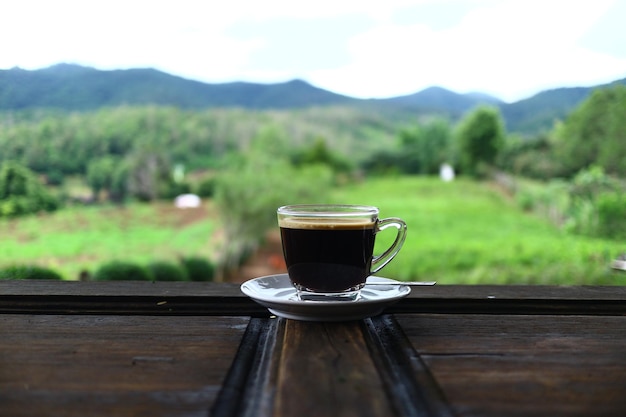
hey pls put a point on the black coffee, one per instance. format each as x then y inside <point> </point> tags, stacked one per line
<point>328,257</point>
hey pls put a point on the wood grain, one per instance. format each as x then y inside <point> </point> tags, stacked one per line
<point>114,365</point>
<point>199,298</point>
<point>514,365</point>
<point>188,349</point>
<point>325,369</point>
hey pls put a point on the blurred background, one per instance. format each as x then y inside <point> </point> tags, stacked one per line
<point>155,140</point>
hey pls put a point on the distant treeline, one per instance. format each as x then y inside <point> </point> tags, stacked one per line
<point>60,145</point>
<point>68,87</point>
<point>116,149</point>
<point>250,162</point>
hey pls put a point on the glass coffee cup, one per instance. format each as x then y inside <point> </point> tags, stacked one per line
<point>329,248</point>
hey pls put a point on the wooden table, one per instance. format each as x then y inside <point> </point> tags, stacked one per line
<point>197,349</point>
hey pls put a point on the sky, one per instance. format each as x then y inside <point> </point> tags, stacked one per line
<point>511,49</point>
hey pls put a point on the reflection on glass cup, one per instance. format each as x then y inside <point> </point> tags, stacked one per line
<point>329,249</point>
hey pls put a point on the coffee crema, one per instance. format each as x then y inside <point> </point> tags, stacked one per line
<point>328,255</point>
<point>325,224</point>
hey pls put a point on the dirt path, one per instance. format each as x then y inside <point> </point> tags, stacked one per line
<point>267,260</point>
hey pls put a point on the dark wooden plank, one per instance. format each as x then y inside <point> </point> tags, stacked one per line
<point>215,289</point>
<point>193,298</point>
<point>409,384</point>
<point>114,365</point>
<point>525,365</point>
<point>326,370</point>
<point>366,368</point>
<point>131,305</point>
<point>514,299</point>
<point>125,298</point>
<point>119,288</point>
<point>291,368</point>
<point>523,292</point>
<point>250,385</point>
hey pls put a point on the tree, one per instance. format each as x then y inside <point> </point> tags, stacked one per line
<point>409,156</point>
<point>595,133</point>
<point>425,147</point>
<point>597,204</point>
<point>149,173</point>
<point>119,182</point>
<point>251,188</point>
<point>320,153</point>
<point>480,137</point>
<point>21,192</point>
<point>100,174</point>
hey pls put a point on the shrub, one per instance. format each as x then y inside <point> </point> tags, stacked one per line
<point>611,211</point>
<point>29,272</point>
<point>122,271</point>
<point>480,137</point>
<point>206,187</point>
<point>169,190</point>
<point>21,192</point>
<point>198,269</point>
<point>168,271</point>
<point>597,205</point>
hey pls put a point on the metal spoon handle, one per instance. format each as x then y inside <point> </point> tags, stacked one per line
<point>410,283</point>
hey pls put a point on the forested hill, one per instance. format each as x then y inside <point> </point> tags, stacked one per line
<point>73,87</point>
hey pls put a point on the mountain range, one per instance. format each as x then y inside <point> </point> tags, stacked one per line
<point>73,87</point>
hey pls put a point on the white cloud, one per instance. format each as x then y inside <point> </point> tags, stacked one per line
<point>508,48</point>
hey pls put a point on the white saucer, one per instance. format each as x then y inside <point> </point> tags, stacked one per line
<point>279,296</point>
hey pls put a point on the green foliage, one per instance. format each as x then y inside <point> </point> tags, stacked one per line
<point>530,158</point>
<point>82,238</point>
<point>387,162</point>
<point>198,269</point>
<point>596,204</point>
<point>536,115</point>
<point>206,187</point>
<point>460,232</point>
<point>167,271</point>
<point>172,189</point>
<point>426,147</point>
<point>547,200</point>
<point>467,232</point>
<point>254,185</point>
<point>149,175</point>
<point>54,178</point>
<point>66,144</point>
<point>319,153</point>
<point>611,209</point>
<point>119,182</point>
<point>480,137</point>
<point>74,88</point>
<point>595,133</point>
<point>21,192</point>
<point>592,204</point>
<point>591,182</point>
<point>100,174</point>
<point>122,271</point>
<point>29,272</point>
<point>422,149</point>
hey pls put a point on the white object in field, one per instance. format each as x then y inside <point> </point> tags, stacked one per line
<point>187,201</point>
<point>446,172</point>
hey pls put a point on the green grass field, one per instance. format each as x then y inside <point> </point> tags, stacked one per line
<point>459,232</point>
<point>76,239</point>
<point>471,233</point>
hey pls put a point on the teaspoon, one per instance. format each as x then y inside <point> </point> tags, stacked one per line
<point>409,283</point>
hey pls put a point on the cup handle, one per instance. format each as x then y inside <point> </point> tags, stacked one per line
<point>378,262</point>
